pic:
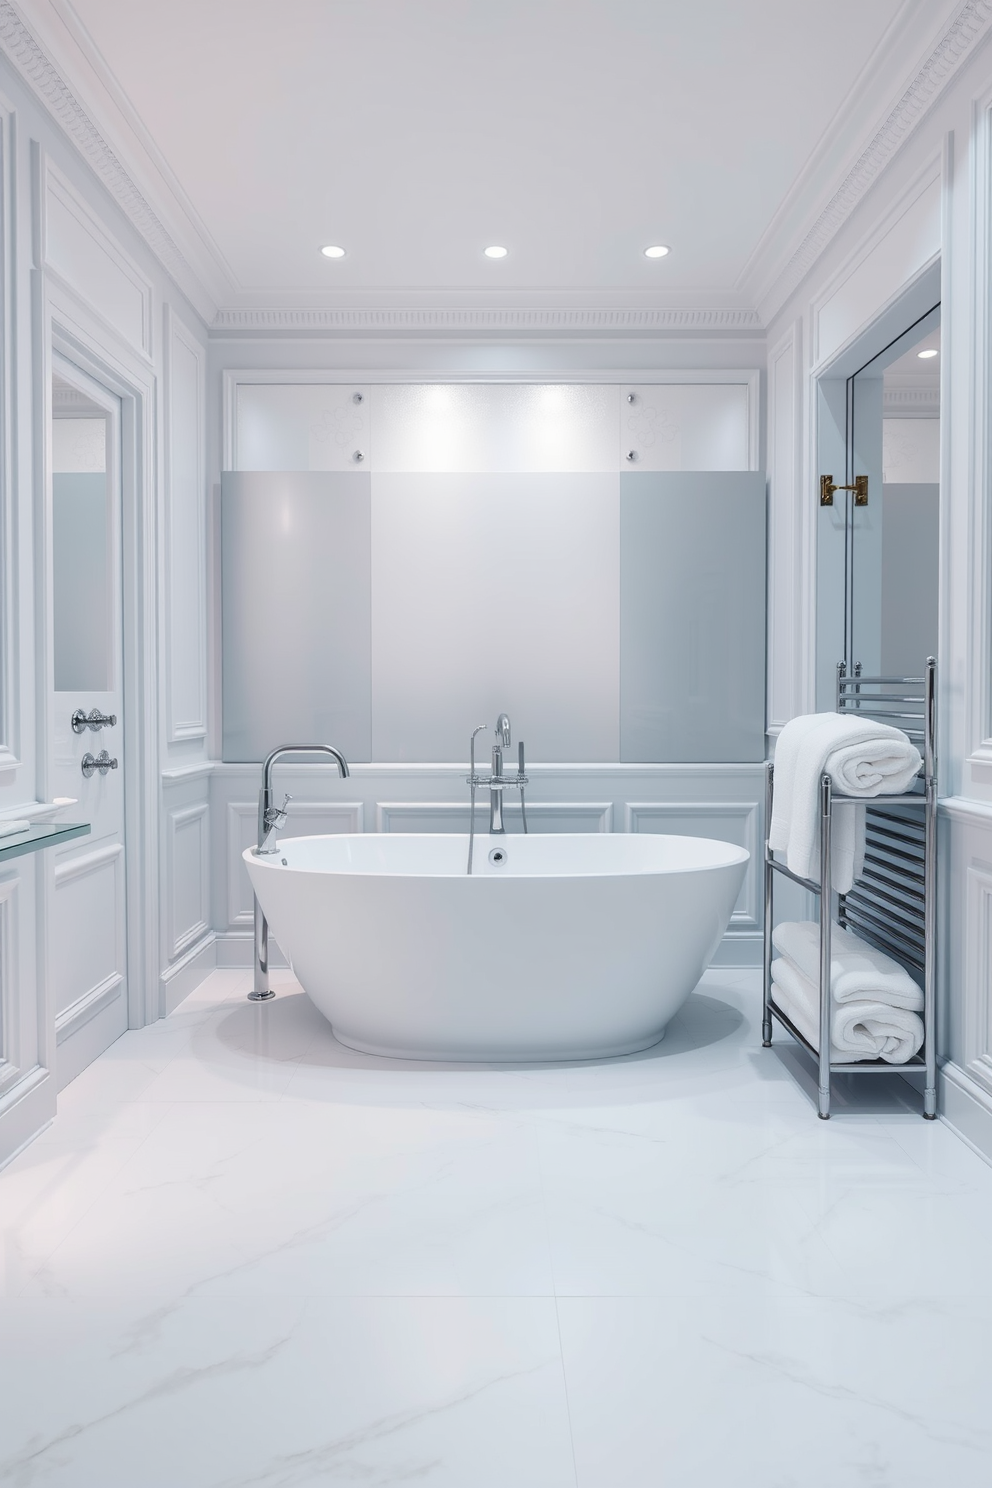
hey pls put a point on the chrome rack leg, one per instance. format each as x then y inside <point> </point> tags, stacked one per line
<point>826,895</point>
<point>766,1016</point>
<point>261,991</point>
<point>930,910</point>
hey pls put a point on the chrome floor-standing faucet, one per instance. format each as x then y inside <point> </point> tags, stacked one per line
<point>496,783</point>
<point>270,817</point>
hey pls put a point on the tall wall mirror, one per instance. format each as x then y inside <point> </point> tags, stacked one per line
<point>878,531</point>
<point>82,608</point>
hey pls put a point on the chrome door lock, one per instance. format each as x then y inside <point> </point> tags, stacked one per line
<point>101,762</point>
<point>94,720</point>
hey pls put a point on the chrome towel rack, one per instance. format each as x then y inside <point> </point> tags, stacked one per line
<point>893,905</point>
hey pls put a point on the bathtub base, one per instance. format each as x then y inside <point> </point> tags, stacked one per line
<point>508,1054</point>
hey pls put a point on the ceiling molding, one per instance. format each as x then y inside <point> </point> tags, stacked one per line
<point>911,402</point>
<point>45,81</point>
<point>571,320</point>
<point>970,25</point>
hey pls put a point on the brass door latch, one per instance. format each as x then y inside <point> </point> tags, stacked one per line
<point>827,489</point>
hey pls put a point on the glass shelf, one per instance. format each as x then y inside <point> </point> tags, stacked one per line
<point>45,834</point>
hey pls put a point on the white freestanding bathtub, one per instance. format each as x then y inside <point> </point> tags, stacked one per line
<point>568,947</point>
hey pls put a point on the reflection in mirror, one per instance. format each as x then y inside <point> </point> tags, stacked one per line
<point>81,609</point>
<point>877,563</point>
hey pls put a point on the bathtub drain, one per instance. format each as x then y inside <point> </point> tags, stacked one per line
<point>498,855</point>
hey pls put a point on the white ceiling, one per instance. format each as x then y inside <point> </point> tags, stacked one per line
<point>416,132</point>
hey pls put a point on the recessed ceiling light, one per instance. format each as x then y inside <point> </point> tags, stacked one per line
<point>658,250</point>
<point>495,251</point>
<point>931,351</point>
<point>331,250</point>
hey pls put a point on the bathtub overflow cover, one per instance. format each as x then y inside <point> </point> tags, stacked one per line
<point>498,855</point>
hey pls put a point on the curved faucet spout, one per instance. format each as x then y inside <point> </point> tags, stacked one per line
<point>267,817</point>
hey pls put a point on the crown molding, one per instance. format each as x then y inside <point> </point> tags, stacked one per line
<point>565,320</point>
<point>37,69</point>
<point>911,402</point>
<point>969,26</point>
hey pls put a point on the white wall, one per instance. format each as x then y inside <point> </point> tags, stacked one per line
<point>931,199</point>
<point>72,266</point>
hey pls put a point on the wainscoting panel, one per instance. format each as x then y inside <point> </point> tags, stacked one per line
<point>88,937</point>
<point>453,816</point>
<point>11,1058</point>
<point>188,877</point>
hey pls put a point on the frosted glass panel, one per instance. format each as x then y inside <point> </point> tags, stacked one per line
<point>495,592</point>
<point>692,621</point>
<point>910,544</point>
<point>910,451</point>
<point>79,446</point>
<point>302,427</point>
<point>685,427</point>
<point>484,428</point>
<point>295,612</point>
<point>81,605</point>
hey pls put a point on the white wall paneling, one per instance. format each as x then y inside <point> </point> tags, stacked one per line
<point>75,245</point>
<point>185,531</point>
<point>188,877</point>
<point>11,1052</point>
<point>88,936</point>
<point>977,534</point>
<point>453,816</point>
<point>9,577</point>
<point>900,249</point>
<point>786,514</point>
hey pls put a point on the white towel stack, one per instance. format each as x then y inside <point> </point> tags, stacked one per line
<point>863,758</point>
<point>875,1005</point>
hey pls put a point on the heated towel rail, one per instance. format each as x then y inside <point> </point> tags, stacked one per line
<point>893,905</point>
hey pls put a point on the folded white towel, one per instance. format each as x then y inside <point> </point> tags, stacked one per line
<point>857,970</point>
<point>863,758</point>
<point>858,1030</point>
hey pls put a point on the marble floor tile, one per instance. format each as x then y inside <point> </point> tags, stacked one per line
<point>244,1254</point>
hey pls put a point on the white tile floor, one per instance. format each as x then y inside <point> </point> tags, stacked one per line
<point>244,1255</point>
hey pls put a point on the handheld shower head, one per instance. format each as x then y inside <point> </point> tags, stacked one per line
<point>503,730</point>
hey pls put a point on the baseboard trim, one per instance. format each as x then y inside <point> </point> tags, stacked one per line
<point>25,1111</point>
<point>966,1108</point>
<point>177,981</point>
<point>740,950</point>
<point>236,948</point>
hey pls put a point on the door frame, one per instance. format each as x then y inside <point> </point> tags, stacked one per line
<point>65,327</point>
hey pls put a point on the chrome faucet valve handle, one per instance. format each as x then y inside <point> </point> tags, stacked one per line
<point>503,730</point>
<point>520,758</point>
<point>276,815</point>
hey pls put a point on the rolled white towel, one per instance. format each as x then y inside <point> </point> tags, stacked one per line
<point>863,758</point>
<point>858,1030</point>
<point>857,969</point>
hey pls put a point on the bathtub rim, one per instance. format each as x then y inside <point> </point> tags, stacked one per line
<point>735,856</point>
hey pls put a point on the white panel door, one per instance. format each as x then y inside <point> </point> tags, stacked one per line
<point>88,945</point>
